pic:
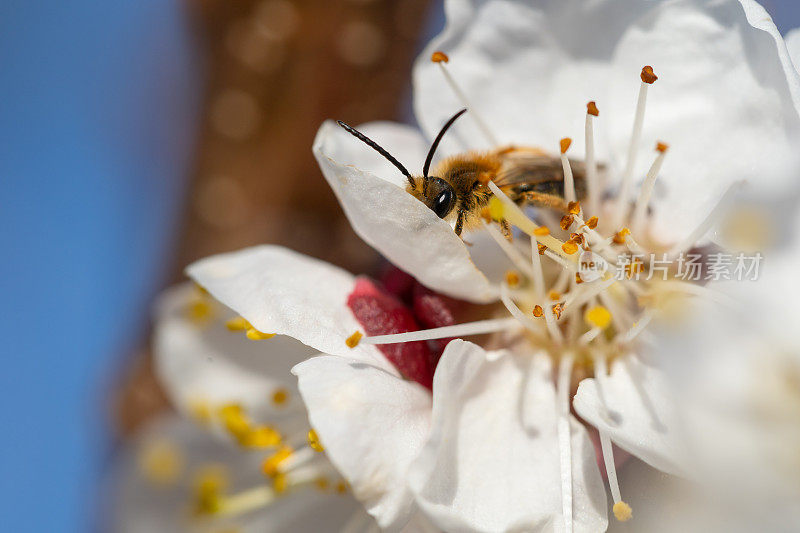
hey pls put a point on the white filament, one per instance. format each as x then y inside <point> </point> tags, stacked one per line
<point>611,468</point>
<point>633,149</point>
<point>591,166</point>
<point>646,191</point>
<point>458,330</point>
<point>637,328</point>
<point>513,254</point>
<point>569,180</point>
<point>515,311</point>
<point>465,102</point>
<point>565,445</point>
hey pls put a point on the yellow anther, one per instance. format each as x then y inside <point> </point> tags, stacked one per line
<point>280,396</point>
<point>271,464</point>
<point>538,312</point>
<point>566,222</point>
<point>313,441</point>
<point>512,278</point>
<point>619,238</point>
<point>578,279</point>
<point>439,57</point>
<point>235,420</point>
<point>322,483</point>
<point>592,222</point>
<point>542,248</point>
<point>208,487</point>
<point>341,487</point>
<point>260,437</point>
<point>280,483</point>
<point>496,209</point>
<point>353,340</point>
<point>558,309</point>
<point>598,317</point>
<point>254,335</point>
<point>554,295</point>
<point>591,108</point>
<point>541,231</point>
<point>662,147</point>
<point>564,144</point>
<point>200,410</point>
<point>569,247</point>
<point>238,324</point>
<point>574,208</point>
<point>648,76</point>
<point>623,511</point>
<point>199,311</point>
<point>161,462</point>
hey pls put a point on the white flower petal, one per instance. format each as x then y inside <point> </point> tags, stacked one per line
<point>726,102</point>
<point>529,70</point>
<point>371,424</point>
<point>793,45</point>
<point>399,226</point>
<point>491,462</point>
<point>641,416</point>
<point>280,291</point>
<point>205,362</point>
<point>141,505</point>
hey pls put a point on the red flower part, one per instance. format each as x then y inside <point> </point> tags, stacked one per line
<point>381,313</point>
<point>397,282</point>
<point>433,311</point>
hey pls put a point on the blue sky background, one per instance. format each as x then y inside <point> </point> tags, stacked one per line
<point>98,106</point>
<point>98,102</point>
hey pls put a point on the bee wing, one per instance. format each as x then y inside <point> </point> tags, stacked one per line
<point>524,168</point>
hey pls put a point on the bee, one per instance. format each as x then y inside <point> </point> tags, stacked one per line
<point>457,190</point>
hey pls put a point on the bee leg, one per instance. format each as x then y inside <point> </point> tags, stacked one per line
<point>545,200</point>
<point>459,222</point>
<point>505,228</point>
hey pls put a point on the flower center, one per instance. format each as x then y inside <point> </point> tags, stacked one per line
<point>586,287</point>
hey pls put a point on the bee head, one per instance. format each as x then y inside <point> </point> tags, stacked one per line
<point>439,196</point>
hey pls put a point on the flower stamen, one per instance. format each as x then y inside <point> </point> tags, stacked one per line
<point>440,58</point>
<point>479,327</point>
<point>569,181</point>
<point>622,511</point>
<point>564,438</point>
<point>513,254</point>
<point>647,188</point>
<point>591,164</point>
<point>648,78</point>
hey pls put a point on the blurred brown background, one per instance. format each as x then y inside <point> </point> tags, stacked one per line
<point>276,69</point>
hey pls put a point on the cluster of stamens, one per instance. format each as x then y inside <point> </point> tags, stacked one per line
<point>579,321</point>
<point>291,460</point>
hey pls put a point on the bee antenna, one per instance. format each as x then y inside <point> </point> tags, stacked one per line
<point>375,146</point>
<point>437,139</point>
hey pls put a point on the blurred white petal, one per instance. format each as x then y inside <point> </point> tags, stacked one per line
<point>206,363</point>
<point>142,504</point>
<point>284,292</point>
<point>372,424</point>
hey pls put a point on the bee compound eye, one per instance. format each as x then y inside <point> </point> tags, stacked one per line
<point>443,203</point>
